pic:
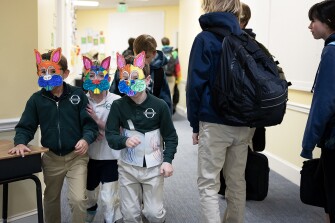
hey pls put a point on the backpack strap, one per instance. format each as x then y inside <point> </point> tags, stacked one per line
<point>158,81</point>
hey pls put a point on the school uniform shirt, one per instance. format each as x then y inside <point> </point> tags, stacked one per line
<point>100,150</point>
<point>151,115</point>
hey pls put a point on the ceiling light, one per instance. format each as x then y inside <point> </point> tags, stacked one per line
<point>85,3</point>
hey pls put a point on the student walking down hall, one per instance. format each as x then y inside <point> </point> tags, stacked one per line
<point>219,145</point>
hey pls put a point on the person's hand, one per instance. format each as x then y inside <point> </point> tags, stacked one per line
<point>81,147</point>
<point>133,141</point>
<point>195,138</point>
<point>91,112</point>
<point>19,150</point>
<point>101,135</point>
<point>166,169</point>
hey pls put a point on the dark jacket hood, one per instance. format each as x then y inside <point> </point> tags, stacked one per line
<point>167,49</point>
<point>159,60</point>
<point>225,20</point>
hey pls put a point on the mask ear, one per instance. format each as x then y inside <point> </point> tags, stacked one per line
<point>56,55</point>
<point>121,62</point>
<point>87,63</point>
<point>106,62</point>
<point>139,61</point>
<point>38,57</point>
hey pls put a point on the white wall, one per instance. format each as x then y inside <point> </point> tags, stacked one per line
<point>282,26</point>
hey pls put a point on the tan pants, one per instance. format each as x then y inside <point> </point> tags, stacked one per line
<point>171,82</point>
<point>226,147</point>
<point>55,169</point>
<point>137,183</point>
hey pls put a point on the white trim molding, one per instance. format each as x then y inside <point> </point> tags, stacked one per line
<point>21,216</point>
<point>298,107</point>
<point>8,124</point>
<point>284,168</point>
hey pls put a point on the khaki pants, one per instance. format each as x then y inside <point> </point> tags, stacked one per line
<point>55,169</point>
<point>137,183</point>
<point>171,82</point>
<point>222,146</point>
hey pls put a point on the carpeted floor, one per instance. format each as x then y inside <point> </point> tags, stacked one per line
<point>282,204</point>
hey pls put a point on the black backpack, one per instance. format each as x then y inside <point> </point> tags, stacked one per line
<point>247,90</point>
<point>170,67</point>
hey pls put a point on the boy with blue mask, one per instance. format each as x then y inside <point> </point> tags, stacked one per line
<point>146,126</point>
<point>102,166</point>
<point>66,129</point>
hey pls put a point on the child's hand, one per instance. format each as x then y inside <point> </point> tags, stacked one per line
<point>91,112</point>
<point>101,135</point>
<point>132,142</point>
<point>19,150</point>
<point>81,147</point>
<point>166,169</point>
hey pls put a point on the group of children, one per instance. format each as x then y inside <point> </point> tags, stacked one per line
<point>125,144</point>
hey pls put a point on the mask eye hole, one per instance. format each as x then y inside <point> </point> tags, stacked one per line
<point>134,75</point>
<point>125,75</point>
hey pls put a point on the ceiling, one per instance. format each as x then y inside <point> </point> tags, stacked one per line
<point>131,3</point>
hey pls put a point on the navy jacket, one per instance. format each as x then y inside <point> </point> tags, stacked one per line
<point>203,66</point>
<point>323,103</point>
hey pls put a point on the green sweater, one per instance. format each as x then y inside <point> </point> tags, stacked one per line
<point>152,114</point>
<point>63,121</point>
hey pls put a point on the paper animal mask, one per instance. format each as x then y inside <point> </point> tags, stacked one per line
<point>132,78</point>
<point>49,71</point>
<point>96,77</point>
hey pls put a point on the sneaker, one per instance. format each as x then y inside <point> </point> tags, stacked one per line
<point>90,216</point>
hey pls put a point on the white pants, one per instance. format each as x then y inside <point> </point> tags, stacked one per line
<point>109,193</point>
<point>137,184</point>
<point>222,146</point>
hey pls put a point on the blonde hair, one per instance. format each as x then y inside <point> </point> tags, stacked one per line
<point>233,6</point>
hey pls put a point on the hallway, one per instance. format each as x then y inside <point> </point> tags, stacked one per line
<point>282,204</point>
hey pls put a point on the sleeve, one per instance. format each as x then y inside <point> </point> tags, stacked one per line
<point>28,124</point>
<point>169,134</point>
<point>90,127</point>
<point>323,103</point>
<point>199,69</point>
<point>165,93</point>
<point>112,132</point>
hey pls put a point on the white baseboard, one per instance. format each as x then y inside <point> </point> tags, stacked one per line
<point>21,216</point>
<point>284,168</point>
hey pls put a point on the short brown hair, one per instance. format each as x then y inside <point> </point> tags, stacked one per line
<point>62,63</point>
<point>245,14</point>
<point>144,43</point>
<point>165,41</point>
<point>233,6</point>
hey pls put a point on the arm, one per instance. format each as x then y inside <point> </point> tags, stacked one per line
<point>323,103</point>
<point>165,93</point>
<point>170,139</point>
<point>112,131</point>
<point>90,127</point>
<point>199,70</point>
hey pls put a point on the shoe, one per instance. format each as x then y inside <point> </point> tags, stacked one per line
<point>90,216</point>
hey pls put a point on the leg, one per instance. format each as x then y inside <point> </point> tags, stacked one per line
<point>5,202</point>
<point>130,192</point>
<point>234,173</point>
<point>153,192</point>
<point>328,166</point>
<point>110,191</point>
<point>76,177</point>
<point>54,175</point>
<point>92,189</point>
<point>211,155</point>
<point>171,81</point>
<point>110,201</point>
